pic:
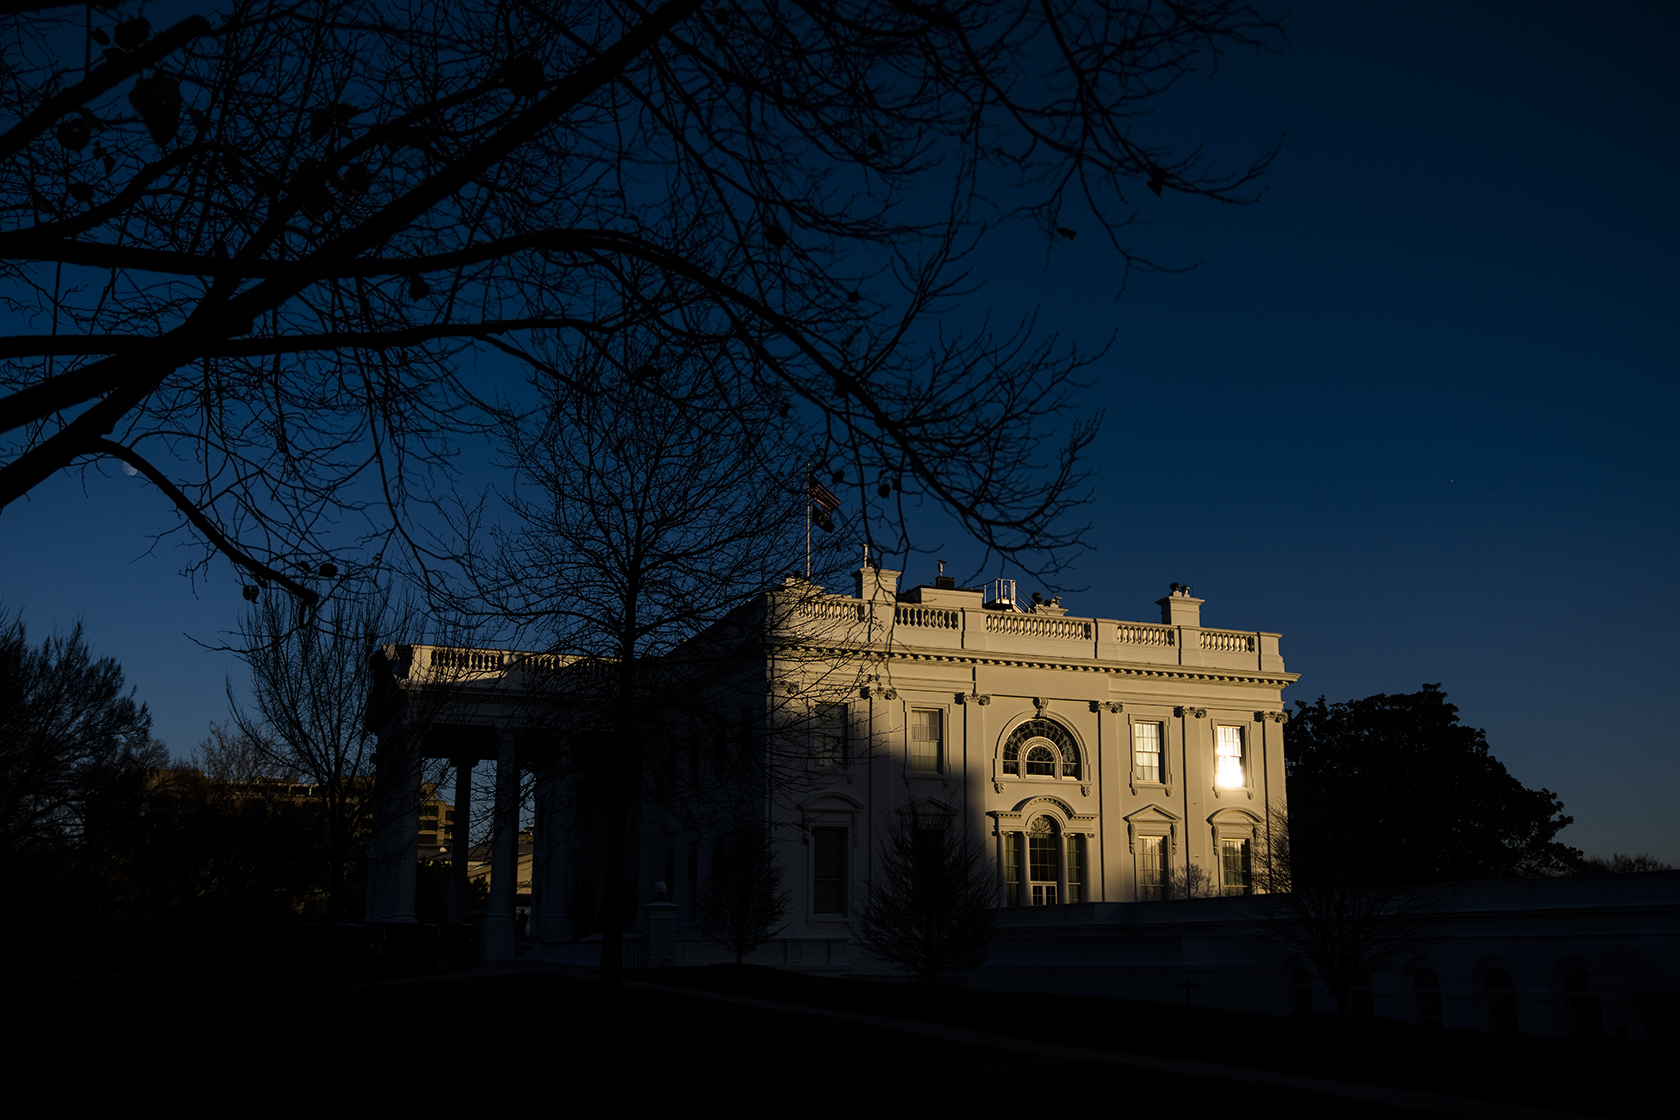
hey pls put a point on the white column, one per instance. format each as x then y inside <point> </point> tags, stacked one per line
<point>394,847</point>
<point>504,856</point>
<point>553,865</point>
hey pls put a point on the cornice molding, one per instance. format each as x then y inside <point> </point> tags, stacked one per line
<point>968,657</point>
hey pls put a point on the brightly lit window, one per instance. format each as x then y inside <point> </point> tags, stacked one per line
<point>1146,747</point>
<point>926,741</point>
<point>1228,762</point>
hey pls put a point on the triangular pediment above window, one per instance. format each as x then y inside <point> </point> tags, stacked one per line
<point>1150,814</point>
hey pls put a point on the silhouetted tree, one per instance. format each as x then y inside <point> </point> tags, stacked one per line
<point>71,741</point>
<point>741,903</point>
<point>1619,864</point>
<point>1391,790</point>
<point>310,684</point>
<point>257,247</point>
<point>1349,929</point>
<point>75,748</point>
<point>1191,881</point>
<point>645,526</point>
<point>928,905</point>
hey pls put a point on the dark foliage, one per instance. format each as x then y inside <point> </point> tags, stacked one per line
<point>1393,790</point>
<point>71,741</point>
<point>1619,864</point>
<point>929,908</point>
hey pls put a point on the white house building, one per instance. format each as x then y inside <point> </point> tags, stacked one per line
<point>1124,776</point>
<point>1099,760</point>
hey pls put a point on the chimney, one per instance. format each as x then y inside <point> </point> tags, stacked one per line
<point>876,583</point>
<point>1179,608</point>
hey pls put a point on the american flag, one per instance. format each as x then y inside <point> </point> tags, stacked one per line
<point>821,496</point>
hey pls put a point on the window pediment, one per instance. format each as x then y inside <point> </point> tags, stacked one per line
<point>1150,814</point>
<point>832,803</point>
<point>1019,818</point>
<point>1239,817</point>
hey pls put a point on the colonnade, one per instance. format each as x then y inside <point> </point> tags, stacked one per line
<point>394,846</point>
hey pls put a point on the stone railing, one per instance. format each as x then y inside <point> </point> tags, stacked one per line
<point>1227,641</point>
<point>548,661</point>
<point>1144,634</point>
<point>938,618</point>
<point>848,609</point>
<point>465,660</point>
<point>1037,626</point>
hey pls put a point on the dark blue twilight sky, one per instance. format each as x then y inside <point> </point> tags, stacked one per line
<point>1415,409</point>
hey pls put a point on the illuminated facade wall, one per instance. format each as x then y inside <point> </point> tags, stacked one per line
<point>1097,760</point>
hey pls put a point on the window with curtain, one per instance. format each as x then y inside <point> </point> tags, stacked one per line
<point>1151,868</point>
<point>1237,867</point>
<point>927,741</point>
<point>1146,749</point>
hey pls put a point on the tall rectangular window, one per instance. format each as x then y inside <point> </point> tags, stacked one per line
<point>927,741</point>
<point>1146,747</point>
<point>1012,868</point>
<point>1152,868</point>
<point>1228,759</point>
<point>1235,864</point>
<point>828,736</point>
<point>1076,868</point>
<point>828,870</point>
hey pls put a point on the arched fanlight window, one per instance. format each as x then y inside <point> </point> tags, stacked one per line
<point>1044,747</point>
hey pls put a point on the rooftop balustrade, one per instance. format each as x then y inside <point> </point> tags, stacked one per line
<point>975,627</point>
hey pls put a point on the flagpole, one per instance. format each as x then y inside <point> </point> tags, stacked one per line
<point>807,521</point>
